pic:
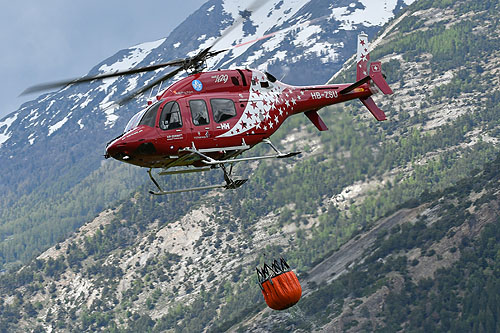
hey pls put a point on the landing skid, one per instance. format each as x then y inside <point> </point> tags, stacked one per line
<point>230,184</point>
<point>238,183</point>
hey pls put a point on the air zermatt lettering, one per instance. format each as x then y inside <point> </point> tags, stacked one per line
<point>175,137</point>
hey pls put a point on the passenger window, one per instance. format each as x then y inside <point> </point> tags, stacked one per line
<point>199,112</point>
<point>170,116</point>
<point>150,116</point>
<point>223,109</point>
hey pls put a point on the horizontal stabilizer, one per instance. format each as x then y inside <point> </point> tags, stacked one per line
<point>374,109</point>
<point>316,120</point>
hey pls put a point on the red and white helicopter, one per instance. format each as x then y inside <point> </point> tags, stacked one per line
<point>208,119</point>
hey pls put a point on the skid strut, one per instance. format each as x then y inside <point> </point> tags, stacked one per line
<point>230,183</point>
<point>230,158</point>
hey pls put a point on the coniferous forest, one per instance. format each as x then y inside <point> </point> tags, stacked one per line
<point>418,195</point>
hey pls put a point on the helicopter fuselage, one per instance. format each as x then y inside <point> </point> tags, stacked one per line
<point>214,110</point>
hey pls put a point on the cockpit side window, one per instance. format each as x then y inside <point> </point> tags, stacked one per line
<point>149,118</point>
<point>222,109</point>
<point>170,116</point>
<point>199,112</point>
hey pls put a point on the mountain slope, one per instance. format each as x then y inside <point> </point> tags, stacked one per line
<point>420,270</point>
<point>52,173</point>
<point>429,176</point>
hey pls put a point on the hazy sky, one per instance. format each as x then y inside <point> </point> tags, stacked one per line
<point>43,41</point>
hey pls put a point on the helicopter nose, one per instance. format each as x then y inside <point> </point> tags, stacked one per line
<point>117,150</point>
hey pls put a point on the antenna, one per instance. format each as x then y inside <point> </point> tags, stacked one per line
<point>159,87</point>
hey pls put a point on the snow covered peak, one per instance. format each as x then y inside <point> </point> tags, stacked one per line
<point>134,57</point>
<point>5,124</point>
<point>304,52</point>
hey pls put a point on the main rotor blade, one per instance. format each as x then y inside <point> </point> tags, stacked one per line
<point>149,85</point>
<point>256,4</point>
<point>211,54</point>
<point>60,84</point>
<point>277,32</point>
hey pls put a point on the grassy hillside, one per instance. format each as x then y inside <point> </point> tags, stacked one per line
<point>186,262</point>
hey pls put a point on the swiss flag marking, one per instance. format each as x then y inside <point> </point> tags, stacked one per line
<point>375,67</point>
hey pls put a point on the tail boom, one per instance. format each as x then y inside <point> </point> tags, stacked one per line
<point>316,97</point>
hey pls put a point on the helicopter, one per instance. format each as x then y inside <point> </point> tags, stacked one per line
<point>208,119</point>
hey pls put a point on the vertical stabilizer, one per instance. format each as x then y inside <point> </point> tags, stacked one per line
<point>378,78</point>
<point>362,57</point>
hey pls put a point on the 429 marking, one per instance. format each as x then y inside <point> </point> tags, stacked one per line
<point>220,78</point>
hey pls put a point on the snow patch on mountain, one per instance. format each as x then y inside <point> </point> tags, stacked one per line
<point>305,36</point>
<point>371,13</point>
<point>262,19</point>
<point>34,114</point>
<point>50,105</point>
<point>109,107</point>
<point>31,139</point>
<point>4,128</point>
<point>136,55</point>
<point>111,117</point>
<point>86,102</point>
<point>132,83</point>
<point>58,125</point>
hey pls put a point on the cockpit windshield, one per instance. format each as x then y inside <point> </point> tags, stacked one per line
<point>136,119</point>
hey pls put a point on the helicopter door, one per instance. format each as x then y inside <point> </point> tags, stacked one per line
<point>171,126</point>
<point>201,127</point>
<point>225,118</point>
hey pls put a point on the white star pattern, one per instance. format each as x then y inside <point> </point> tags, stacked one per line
<point>265,107</point>
<point>363,52</point>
